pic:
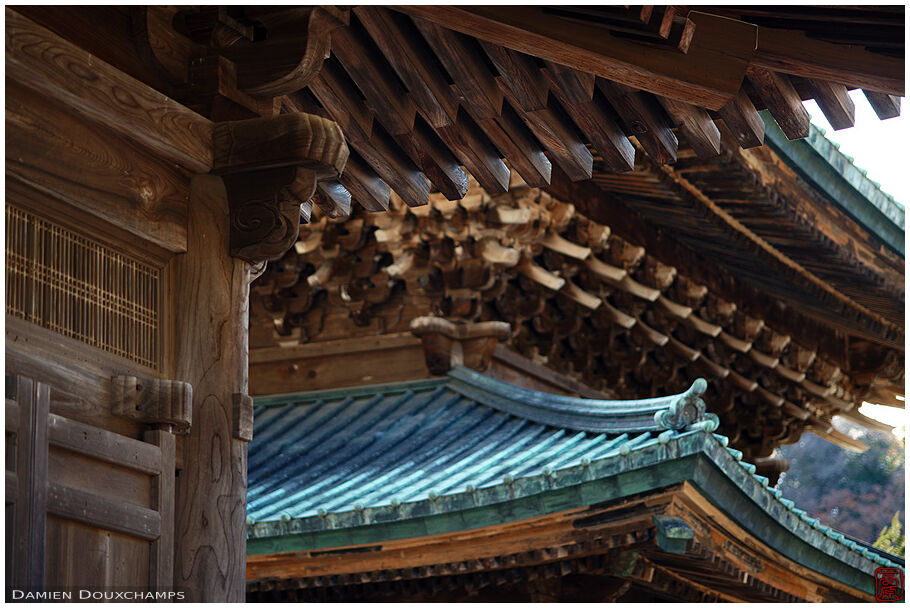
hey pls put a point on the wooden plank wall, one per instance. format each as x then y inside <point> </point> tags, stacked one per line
<point>86,508</point>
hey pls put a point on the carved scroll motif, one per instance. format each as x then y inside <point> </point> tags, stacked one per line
<point>270,168</point>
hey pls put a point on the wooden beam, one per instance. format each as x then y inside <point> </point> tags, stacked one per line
<point>104,95</point>
<point>885,106</point>
<point>465,64</point>
<point>641,116</point>
<point>696,125</point>
<point>708,75</point>
<point>364,185</point>
<point>101,512</point>
<point>743,121</point>
<point>835,103</point>
<point>471,146</point>
<point>96,170</point>
<point>161,563</point>
<point>391,105</point>
<point>519,74</point>
<point>616,151</point>
<point>333,198</point>
<point>559,139</point>
<point>783,102</point>
<point>792,52</point>
<point>410,60</point>
<point>103,445</point>
<point>513,139</point>
<point>334,91</point>
<point>437,162</point>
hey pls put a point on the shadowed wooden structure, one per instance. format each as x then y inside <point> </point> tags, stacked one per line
<point>568,170</point>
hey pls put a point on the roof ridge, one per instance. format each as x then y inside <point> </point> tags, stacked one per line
<point>583,414</point>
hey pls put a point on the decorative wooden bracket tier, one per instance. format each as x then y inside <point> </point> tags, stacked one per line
<point>448,344</point>
<point>270,168</point>
<point>153,401</point>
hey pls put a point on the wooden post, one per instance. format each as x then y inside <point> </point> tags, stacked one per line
<point>210,295</point>
<point>161,565</point>
<point>31,473</point>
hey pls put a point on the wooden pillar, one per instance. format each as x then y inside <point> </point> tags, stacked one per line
<point>270,168</point>
<point>210,304</point>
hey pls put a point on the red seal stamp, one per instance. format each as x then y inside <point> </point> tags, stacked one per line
<point>889,585</point>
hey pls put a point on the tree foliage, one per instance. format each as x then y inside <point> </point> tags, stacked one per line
<point>856,494</point>
<point>891,539</point>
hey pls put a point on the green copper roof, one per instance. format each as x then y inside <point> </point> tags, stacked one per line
<point>372,464</point>
<point>821,163</point>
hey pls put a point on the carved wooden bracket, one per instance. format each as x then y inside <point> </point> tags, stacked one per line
<point>153,401</point>
<point>270,168</point>
<point>242,417</point>
<point>447,344</point>
<point>242,55</point>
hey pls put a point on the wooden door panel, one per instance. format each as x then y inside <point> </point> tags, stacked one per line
<point>93,508</point>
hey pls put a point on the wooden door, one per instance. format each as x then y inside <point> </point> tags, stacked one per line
<point>88,510</point>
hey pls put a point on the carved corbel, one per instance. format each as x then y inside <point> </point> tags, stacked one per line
<point>153,401</point>
<point>270,168</point>
<point>448,344</point>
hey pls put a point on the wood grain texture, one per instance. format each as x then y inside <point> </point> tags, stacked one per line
<point>153,401</point>
<point>60,155</point>
<point>641,116</point>
<point>101,512</point>
<point>242,417</point>
<point>885,106</point>
<point>69,75</point>
<point>103,445</point>
<point>33,399</point>
<point>80,375</point>
<point>402,47</point>
<point>696,125</point>
<point>835,103</point>
<point>782,100</point>
<point>726,45</point>
<point>792,52</point>
<point>210,352</point>
<point>743,121</point>
<point>161,560</point>
<point>298,139</point>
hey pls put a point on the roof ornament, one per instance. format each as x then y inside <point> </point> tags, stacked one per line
<point>687,410</point>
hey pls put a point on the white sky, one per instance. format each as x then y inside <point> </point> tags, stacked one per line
<point>875,145</point>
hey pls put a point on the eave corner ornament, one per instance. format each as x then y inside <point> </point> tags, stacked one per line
<point>688,410</point>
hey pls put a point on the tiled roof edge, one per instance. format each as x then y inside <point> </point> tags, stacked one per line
<point>669,445</point>
<point>834,174</point>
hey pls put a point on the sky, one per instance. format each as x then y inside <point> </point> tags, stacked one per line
<point>875,146</point>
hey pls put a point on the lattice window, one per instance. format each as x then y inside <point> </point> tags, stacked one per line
<point>80,288</point>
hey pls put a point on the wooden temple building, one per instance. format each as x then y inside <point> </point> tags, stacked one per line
<point>527,297</point>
